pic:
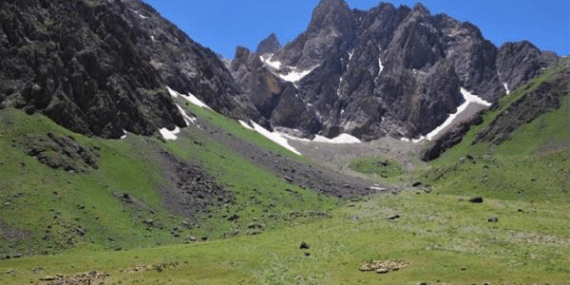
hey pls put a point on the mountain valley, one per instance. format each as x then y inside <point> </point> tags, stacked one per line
<point>388,146</point>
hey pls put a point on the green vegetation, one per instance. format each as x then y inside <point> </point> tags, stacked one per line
<point>382,167</point>
<point>519,234</point>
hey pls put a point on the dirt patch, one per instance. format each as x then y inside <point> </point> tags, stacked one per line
<point>93,277</point>
<point>158,267</point>
<point>384,266</point>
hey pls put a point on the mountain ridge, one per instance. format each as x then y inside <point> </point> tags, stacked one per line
<point>378,72</point>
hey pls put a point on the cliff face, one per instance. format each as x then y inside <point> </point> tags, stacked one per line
<point>386,71</point>
<point>101,67</point>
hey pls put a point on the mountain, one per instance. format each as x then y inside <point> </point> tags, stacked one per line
<point>102,67</point>
<point>387,71</point>
<point>269,45</point>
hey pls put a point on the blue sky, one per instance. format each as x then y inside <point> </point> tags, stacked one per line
<point>224,24</point>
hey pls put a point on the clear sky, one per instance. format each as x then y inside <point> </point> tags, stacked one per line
<point>222,25</point>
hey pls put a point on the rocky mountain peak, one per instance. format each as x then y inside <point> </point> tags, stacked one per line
<point>384,72</point>
<point>331,15</point>
<point>269,45</point>
<point>420,9</point>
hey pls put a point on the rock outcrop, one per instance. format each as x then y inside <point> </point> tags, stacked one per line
<point>102,67</point>
<point>387,71</point>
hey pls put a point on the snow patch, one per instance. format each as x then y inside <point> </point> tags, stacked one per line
<point>380,65</point>
<point>341,139</point>
<point>350,54</point>
<point>474,98</point>
<point>191,98</point>
<point>169,135</point>
<point>506,88</point>
<point>267,61</point>
<point>295,76</point>
<point>124,136</point>
<point>246,125</point>
<point>469,98</point>
<point>275,137</point>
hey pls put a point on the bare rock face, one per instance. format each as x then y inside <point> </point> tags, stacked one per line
<point>269,45</point>
<point>387,71</point>
<point>101,67</point>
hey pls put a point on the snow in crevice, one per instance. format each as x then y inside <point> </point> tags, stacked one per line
<point>296,75</point>
<point>191,98</point>
<point>350,54</point>
<point>169,135</point>
<point>506,88</point>
<point>189,120</point>
<point>469,99</point>
<point>474,98</point>
<point>124,136</point>
<point>380,66</point>
<point>267,61</point>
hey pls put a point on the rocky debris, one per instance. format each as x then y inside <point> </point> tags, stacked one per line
<point>476,200</point>
<point>386,71</point>
<point>304,245</point>
<point>193,189</point>
<point>394,217</point>
<point>87,278</point>
<point>304,175</point>
<point>60,152</point>
<point>384,266</point>
<point>158,267</point>
<point>190,239</point>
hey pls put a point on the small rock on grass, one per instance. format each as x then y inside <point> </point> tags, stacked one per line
<point>304,245</point>
<point>476,200</point>
<point>493,219</point>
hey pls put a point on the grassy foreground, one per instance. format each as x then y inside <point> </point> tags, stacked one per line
<point>445,241</point>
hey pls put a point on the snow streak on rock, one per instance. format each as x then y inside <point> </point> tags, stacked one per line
<point>275,137</point>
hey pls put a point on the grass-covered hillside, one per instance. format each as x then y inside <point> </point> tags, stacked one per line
<point>256,225</point>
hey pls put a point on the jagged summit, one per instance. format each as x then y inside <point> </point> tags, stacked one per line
<point>269,45</point>
<point>388,71</point>
<point>419,8</point>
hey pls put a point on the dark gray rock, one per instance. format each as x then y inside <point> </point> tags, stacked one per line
<point>269,45</point>
<point>385,71</point>
<point>476,200</point>
<point>99,68</point>
<point>304,245</point>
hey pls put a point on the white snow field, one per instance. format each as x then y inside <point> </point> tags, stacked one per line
<point>295,75</point>
<point>169,135</point>
<point>341,139</point>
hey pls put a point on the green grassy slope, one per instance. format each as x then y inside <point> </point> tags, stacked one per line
<point>42,208</point>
